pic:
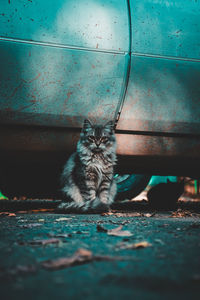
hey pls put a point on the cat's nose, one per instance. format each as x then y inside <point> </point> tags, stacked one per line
<point>97,143</point>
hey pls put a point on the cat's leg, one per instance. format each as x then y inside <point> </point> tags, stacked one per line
<point>73,196</point>
<point>104,191</point>
<point>107,192</point>
<point>89,195</point>
<point>113,192</point>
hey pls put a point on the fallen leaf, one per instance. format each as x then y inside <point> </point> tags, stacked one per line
<point>148,215</point>
<point>108,213</point>
<point>31,225</point>
<point>115,231</point>
<point>81,256</point>
<point>62,219</point>
<point>60,235</point>
<point>41,220</point>
<point>179,213</point>
<point>44,242</point>
<point>11,215</point>
<point>124,214</point>
<point>119,232</point>
<point>143,244</point>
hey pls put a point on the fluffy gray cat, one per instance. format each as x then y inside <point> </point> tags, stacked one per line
<point>87,177</point>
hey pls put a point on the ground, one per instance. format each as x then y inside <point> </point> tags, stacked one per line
<point>166,264</point>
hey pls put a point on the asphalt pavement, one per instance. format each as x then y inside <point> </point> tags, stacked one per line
<point>121,255</point>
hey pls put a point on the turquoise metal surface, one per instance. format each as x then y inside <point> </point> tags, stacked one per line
<point>43,85</point>
<point>162,96</point>
<point>62,61</point>
<point>163,88</point>
<point>92,24</point>
<point>166,27</point>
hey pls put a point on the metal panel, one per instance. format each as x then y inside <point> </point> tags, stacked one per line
<point>158,146</point>
<point>163,96</point>
<point>169,28</point>
<point>94,24</point>
<point>43,85</point>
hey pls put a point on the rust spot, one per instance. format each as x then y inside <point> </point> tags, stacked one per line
<point>93,66</point>
<point>15,90</point>
<point>97,46</point>
<point>69,94</point>
<point>35,78</point>
<point>29,54</point>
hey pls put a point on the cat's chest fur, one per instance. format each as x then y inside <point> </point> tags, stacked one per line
<point>97,167</point>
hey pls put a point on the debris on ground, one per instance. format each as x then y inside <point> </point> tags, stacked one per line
<point>62,219</point>
<point>115,231</point>
<point>81,256</point>
<point>8,214</point>
<point>44,242</point>
<point>179,213</point>
<point>30,225</point>
<point>139,245</point>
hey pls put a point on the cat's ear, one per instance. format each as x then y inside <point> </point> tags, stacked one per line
<point>87,125</point>
<point>109,126</point>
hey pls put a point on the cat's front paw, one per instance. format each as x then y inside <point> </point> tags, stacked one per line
<point>98,206</point>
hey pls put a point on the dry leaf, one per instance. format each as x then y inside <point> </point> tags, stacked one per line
<point>115,231</point>
<point>119,232</point>
<point>148,215</point>
<point>6,213</point>
<point>179,213</point>
<point>30,225</point>
<point>108,213</point>
<point>140,245</point>
<point>60,235</point>
<point>125,214</point>
<point>45,242</point>
<point>11,215</point>
<point>62,219</point>
<point>81,256</point>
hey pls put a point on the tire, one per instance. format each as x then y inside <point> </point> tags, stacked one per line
<point>130,185</point>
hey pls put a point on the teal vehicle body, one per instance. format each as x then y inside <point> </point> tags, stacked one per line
<point>136,62</point>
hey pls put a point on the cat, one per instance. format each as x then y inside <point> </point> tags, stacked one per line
<point>165,195</point>
<point>87,178</point>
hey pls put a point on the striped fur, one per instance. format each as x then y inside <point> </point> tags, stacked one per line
<point>87,176</point>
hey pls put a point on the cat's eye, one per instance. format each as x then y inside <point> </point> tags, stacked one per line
<point>104,139</point>
<point>91,138</point>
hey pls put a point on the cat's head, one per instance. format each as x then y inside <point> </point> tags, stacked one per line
<point>98,138</point>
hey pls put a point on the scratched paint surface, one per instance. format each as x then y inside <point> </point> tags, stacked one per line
<point>162,95</point>
<point>86,23</point>
<point>170,28</point>
<point>42,85</point>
